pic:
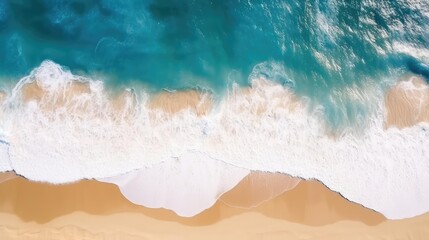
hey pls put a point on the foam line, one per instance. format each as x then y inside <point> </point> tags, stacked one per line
<point>4,157</point>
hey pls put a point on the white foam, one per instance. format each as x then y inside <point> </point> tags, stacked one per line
<point>414,51</point>
<point>187,185</point>
<point>4,157</point>
<point>386,170</point>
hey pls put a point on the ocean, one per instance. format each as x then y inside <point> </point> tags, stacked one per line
<point>314,47</point>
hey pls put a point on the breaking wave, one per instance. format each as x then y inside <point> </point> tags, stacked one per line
<point>59,127</point>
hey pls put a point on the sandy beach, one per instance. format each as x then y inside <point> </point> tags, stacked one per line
<point>94,210</point>
<point>79,205</point>
<point>7,176</point>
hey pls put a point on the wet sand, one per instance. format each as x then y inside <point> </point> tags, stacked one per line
<point>99,208</point>
<point>257,188</point>
<point>6,176</point>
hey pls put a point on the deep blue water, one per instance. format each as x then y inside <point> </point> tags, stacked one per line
<point>321,45</point>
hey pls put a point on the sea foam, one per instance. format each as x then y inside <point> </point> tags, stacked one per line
<point>4,156</point>
<point>188,185</point>
<point>59,137</point>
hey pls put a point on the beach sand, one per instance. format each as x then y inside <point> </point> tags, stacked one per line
<point>289,209</point>
<point>257,188</point>
<point>95,210</point>
<point>91,208</point>
<point>6,176</point>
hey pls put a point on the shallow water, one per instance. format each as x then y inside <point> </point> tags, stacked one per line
<point>316,47</point>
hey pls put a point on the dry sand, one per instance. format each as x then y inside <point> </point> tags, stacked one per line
<point>249,225</point>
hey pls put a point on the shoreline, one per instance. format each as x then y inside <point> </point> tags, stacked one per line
<point>270,205</point>
<point>166,108</point>
<point>40,205</point>
<point>59,212</point>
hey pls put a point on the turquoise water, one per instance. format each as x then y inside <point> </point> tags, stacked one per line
<point>311,46</point>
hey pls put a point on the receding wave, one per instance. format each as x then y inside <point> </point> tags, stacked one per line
<point>59,127</point>
<point>187,186</point>
<point>257,188</point>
